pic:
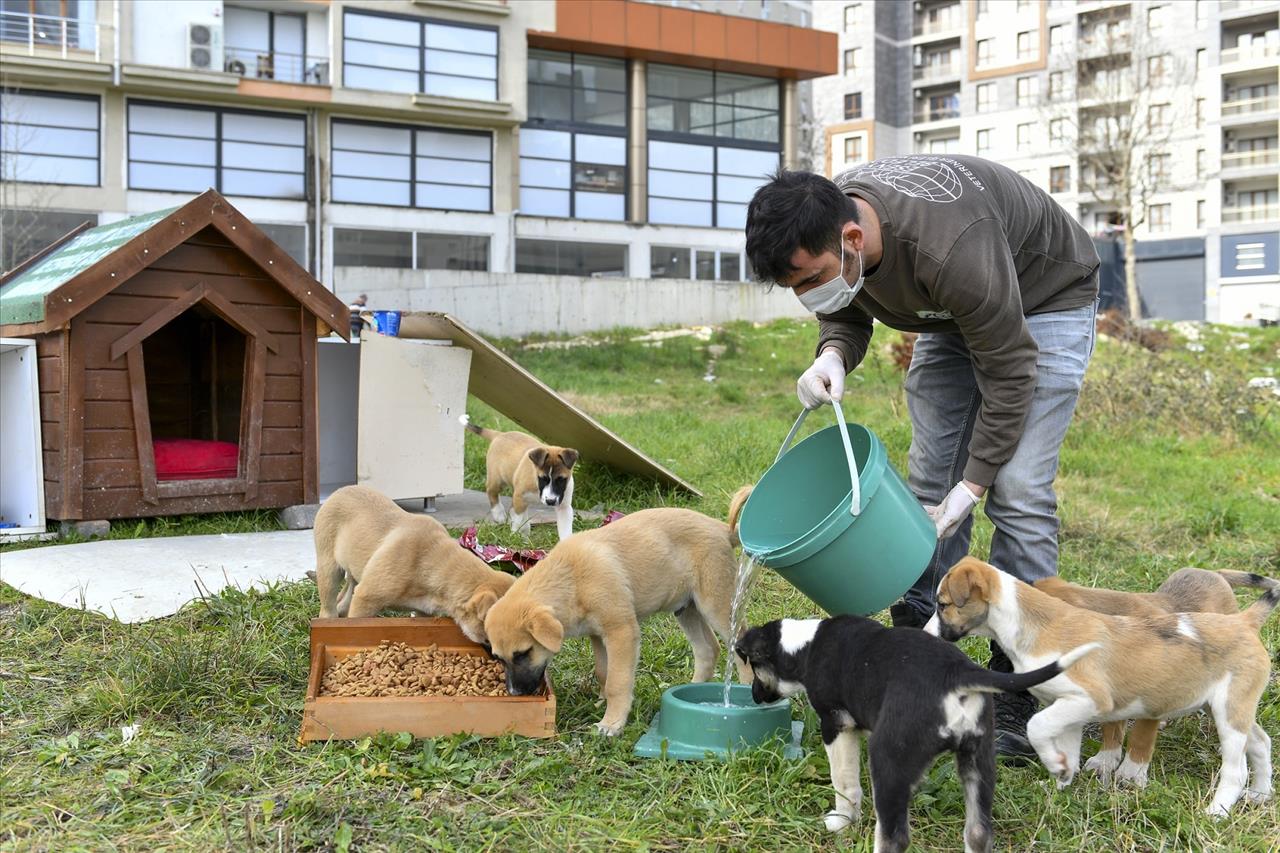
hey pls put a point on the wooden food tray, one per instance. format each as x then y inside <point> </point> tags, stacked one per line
<point>348,717</point>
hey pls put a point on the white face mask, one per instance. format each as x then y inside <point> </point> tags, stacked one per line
<point>835,294</point>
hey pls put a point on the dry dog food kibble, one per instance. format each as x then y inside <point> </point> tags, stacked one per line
<point>394,669</point>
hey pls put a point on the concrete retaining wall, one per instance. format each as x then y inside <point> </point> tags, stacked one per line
<point>518,304</point>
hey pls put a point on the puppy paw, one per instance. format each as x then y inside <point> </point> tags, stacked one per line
<point>1217,810</point>
<point>1132,773</point>
<point>609,729</point>
<point>498,513</point>
<point>1257,797</point>
<point>837,822</point>
<point>1104,763</point>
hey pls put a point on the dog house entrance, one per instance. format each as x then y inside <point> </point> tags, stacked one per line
<point>195,368</point>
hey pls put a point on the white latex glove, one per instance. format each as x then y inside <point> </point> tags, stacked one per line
<point>955,508</point>
<point>823,381</point>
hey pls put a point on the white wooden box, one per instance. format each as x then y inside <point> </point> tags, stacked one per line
<point>21,457</point>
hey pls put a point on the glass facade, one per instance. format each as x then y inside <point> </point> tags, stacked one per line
<point>412,167</point>
<point>49,139</point>
<point>405,54</point>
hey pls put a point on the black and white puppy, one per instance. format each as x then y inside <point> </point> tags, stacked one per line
<point>916,695</point>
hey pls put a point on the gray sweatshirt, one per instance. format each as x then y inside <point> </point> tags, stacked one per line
<point>971,247</point>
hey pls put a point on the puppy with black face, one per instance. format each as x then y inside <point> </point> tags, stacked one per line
<point>537,474</point>
<point>919,696</point>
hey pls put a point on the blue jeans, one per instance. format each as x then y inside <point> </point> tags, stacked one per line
<point>943,399</point>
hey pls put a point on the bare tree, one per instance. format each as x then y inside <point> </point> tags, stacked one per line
<point>1122,114</point>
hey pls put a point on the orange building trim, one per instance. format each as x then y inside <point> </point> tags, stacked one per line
<point>685,37</point>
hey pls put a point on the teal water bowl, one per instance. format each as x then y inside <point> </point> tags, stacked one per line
<point>833,518</point>
<point>693,723</point>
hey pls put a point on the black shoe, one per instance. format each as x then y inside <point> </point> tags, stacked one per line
<point>1013,710</point>
<point>903,615</point>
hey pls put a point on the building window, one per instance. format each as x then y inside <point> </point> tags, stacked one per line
<point>1158,168</point>
<point>1202,13</point>
<point>1156,18</point>
<point>986,93</point>
<point>409,167</point>
<point>23,232</point>
<point>1023,4</point>
<point>1158,217</point>
<point>186,148</point>
<point>49,139</point>
<point>577,89</point>
<point>1157,117</point>
<point>853,149</point>
<point>689,101</point>
<point>1158,69</point>
<point>1059,179</point>
<point>1057,85</point>
<point>670,262</point>
<point>291,238</point>
<point>945,145</point>
<point>852,60</point>
<point>700,264</point>
<point>1199,112</point>
<point>1058,38</point>
<point>984,51</point>
<point>983,144</point>
<point>853,105</point>
<point>452,252</point>
<point>563,257</point>
<point>270,45</point>
<point>580,175</point>
<point>1026,45</point>
<point>1202,61</point>
<point>1028,91</point>
<point>404,54</point>
<point>1058,131</point>
<point>1200,164</point>
<point>981,8</point>
<point>703,184</point>
<point>852,16</point>
<point>1024,137</point>
<point>1200,207</point>
<point>360,247</point>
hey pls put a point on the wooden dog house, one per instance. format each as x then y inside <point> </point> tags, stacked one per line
<point>177,365</point>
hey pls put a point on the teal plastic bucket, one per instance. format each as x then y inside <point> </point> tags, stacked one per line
<point>834,518</point>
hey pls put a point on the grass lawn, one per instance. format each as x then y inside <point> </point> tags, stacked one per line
<point>1171,461</point>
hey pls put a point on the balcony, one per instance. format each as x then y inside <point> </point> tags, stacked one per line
<point>949,21</point>
<point>1251,213</point>
<point>44,35</point>
<point>927,114</point>
<point>274,65</point>
<point>1250,53</point>
<point>1100,45</point>
<point>1257,159</point>
<point>936,71</point>
<point>1239,6</point>
<point>1251,106</point>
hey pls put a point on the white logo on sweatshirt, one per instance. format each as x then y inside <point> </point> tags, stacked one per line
<point>934,315</point>
<point>926,178</point>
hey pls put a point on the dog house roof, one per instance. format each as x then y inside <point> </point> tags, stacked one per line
<point>54,286</point>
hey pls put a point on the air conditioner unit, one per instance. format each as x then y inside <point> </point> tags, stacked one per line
<point>204,46</point>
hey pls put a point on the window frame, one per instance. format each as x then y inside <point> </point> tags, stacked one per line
<point>1032,95</point>
<point>853,115</point>
<point>626,255</point>
<point>1029,143</point>
<point>1032,51</point>
<point>219,112</point>
<point>982,134</point>
<point>1166,223</point>
<point>990,105</point>
<point>272,14</point>
<point>978,59</point>
<point>422,23</point>
<point>73,96</point>
<point>711,138</point>
<point>573,121</point>
<point>857,9</point>
<point>574,131</point>
<point>413,155</point>
<point>854,53</point>
<point>1066,186</point>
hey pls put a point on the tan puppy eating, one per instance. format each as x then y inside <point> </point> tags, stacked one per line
<point>394,558</point>
<point>1186,590</point>
<point>536,474</point>
<point>1152,667</point>
<point>603,582</point>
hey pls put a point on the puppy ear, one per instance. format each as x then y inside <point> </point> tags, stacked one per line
<point>546,629</point>
<point>479,604</point>
<point>538,456</point>
<point>568,457</point>
<point>967,580</point>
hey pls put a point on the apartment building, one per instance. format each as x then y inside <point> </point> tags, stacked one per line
<point>406,146</point>
<point>1026,82</point>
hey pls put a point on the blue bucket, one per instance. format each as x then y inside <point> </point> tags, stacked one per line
<point>388,322</point>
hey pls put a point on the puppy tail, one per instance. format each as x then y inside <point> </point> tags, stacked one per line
<point>1258,612</point>
<point>987,681</point>
<point>1248,579</point>
<point>736,503</point>
<point>486,434</point>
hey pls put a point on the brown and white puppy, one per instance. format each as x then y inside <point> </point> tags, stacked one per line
<point>1149,667</point>
<point>603,582</point>
<point>536,473</point>
<point>393,558</point>
<point>1186,590</point>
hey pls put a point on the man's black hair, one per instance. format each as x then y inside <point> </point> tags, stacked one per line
<point>794,210</point>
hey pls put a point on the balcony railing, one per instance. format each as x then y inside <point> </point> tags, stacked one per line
<point>935,71</point>
<point>43,33</point>
<point>1251,213</point>
<point>1233,5</point>
<point>939,114</point>
<point>1094,46</point>
<point>1248,106</point>
<point>943,24</point>
<point>1250,52</point>
<point>274,65</point>
<point>1251,159</point>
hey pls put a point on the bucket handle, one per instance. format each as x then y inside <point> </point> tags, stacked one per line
<point>855,505</point>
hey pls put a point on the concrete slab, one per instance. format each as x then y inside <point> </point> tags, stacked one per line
<point>136,580</point>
